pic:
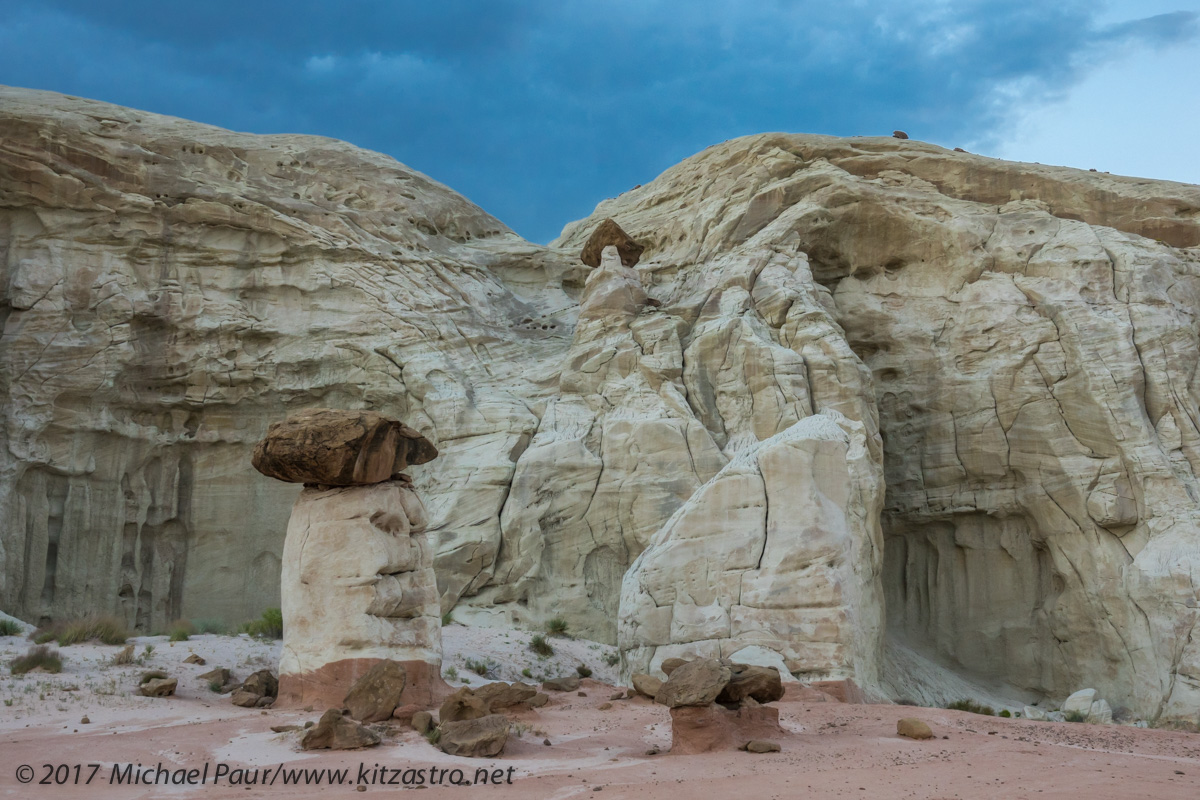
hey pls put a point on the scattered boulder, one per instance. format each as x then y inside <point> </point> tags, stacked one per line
<point>646,685</point>
<point>1086,706</point>
<point>567,684</point>
<point>500,696</point>
<point>85,720</point>
<point>422,722</point>
<point>669,665</point>
<point>538,700</point>
<point>241,697</point>
<point>763,684</point>
<point>195,659</point>
<point>761,746</point>
<point>158,687</point>
<point>333,447</point>
<point>262,683</point>
<point>462,705</point>
<point>220,675</point>
<point>696,683</point>
<point>375,696</point>
<point>913,728</point>
<point>899,135</point>
<point>1030,712</point>
<point>286,728</point>
<point>484,737</point>
<point>338,732</point>
<point>609,233</point>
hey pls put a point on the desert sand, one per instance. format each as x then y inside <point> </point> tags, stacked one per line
<point>831,749</point>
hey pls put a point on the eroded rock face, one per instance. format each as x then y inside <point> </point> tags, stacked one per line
<point>358,590</point>
<point>782,549</point>
<point>334,447</point>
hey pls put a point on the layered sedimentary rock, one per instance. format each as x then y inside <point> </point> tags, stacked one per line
<point>1017,342</point>
<point>1032,343</point>
<point>358,589</point>
<point>782,550</point>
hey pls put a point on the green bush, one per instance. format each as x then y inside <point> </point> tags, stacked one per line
<point>9,627</point>
<point>973,707</point>
<point>448,619</point>
<point>584,671</point>
<point>539,645</point>
<point>527,672</point>
<point>106,629</point>
<point>268,626</point>
<point>215,686</point>
<point>1005,713</point>
<point>480,667</point>
<point>37,656</point>
<point>209,626</point>
<point>180,630</point>
<point>1075,716</point>
<point>452,673</point>
<point>612,659</point>
<point>557,627</point>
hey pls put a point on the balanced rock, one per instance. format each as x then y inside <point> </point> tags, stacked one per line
<point>375,696</point>
<point>696,683</point>
<point>336,731</point>
<point>158,687</point>
<point>332,447</point>
<point>646,685</point>
<point>609,234</point>
<point>484,737</point>
<point>913,728</point>
<point>763,684</point>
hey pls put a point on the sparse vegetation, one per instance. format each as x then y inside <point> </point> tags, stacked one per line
<point>38,656</point>
<point>452,673</point>
<point>482,667</point>
<point>519,728</point>
<point>180,630</point>
<point>215,686</point>
<point>433,735</point>
<point>527,672</point>
<point>612,659</point>
<point>539,645</point>
<point>9,627</point>
<point>123,656</point>
<point>448,618</point>
<point>557,627</point>
<point>973,707</point>
<point>1075,716</point>
<point>209,626</point>
<point>145,656</point>
<point>268,626</point>
<point>1004,712</point>
<point>584,671</point>
<point>106,629</point>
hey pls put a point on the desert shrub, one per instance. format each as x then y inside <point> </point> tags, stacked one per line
<point>37,656</point>
<point>268,626</point>
<point>1004,712</point>
<point>452,673</point>
<point>1075,716</point>
<point>612,659</point>
<point>447,619</point>
<point>480,667</point>
<point>557,627</point>
<point>433,735</point>
<point>180,630</point>
<point>215,686</point>
<point>973,707</point>
<point>539,645</point>
<point>209,626</point>
<point>584,671</point>
<point>9,627</point>
<point>527,672</point>
<point>106,629</point>
<point>123,656</point>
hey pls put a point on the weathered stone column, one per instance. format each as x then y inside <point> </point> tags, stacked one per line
<point>358,585</point>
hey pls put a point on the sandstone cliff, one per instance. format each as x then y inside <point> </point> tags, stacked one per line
<point>1012,347</point>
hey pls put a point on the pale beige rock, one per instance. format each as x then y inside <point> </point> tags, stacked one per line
<point>913,728</point>
<point>358,582</point>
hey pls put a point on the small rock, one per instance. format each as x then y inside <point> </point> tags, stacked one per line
<point>265,702</point>
<point>546,742</point>
<point>374,696</point>
<point>484,737</point>
<point>653,751</point>
<point>538,700</point>
<point>646,685</point>
<point>85,721</point>
<point>285,728</point>
<point>158,687</point>
<point>195,659</point>
<point>337,732</point>
<point>604,707</point>
<point>422,722</point>
<point>899,135</point>
<point>913,728</point>
<point>360,788</point>
<point>762,746</point>
<point>262,683</point>
<point>581,694</point>
<point>567,684</point>
<point>219,675</point>
<point>617,696</point>
<point>669,665</point>
<point>241,697</point>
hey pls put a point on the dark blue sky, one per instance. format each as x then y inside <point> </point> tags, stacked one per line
<point>538,110</point>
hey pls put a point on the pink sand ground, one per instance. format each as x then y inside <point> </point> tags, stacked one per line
<point>831,750</point>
